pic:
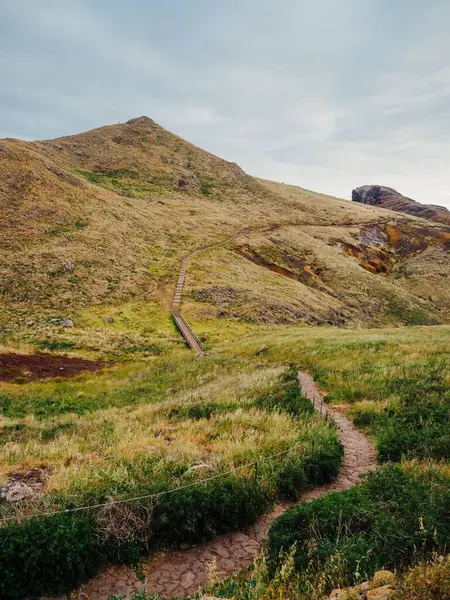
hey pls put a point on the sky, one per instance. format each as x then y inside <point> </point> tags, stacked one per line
<point>325,94</point>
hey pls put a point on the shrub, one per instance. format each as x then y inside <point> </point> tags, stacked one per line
<point>55,345</point>
<point>414,424</point>
<point>392,519</point>
<point>428,581</point>
<point>56,553</point>
<point>287,397</point>
<point>47,555</point>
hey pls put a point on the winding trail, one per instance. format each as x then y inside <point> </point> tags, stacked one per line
<point>183,326</point>
<point>182,573</point>
<point>185,329</point>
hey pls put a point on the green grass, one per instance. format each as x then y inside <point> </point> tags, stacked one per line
<point>138,427</point>
<point>429,580</point>
<point>270,416</point>
<point>395,381</point>
<point>128,182</point>
<point>55,345</point>
<point>395,384</point>
<point>206,185</point>
<point>147,420</point>
<point>397,517</point>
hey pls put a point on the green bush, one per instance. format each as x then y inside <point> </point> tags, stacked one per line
<point>287,397</point>
<point>324,462</point>
<point>55,345</point>
<point>53,554</point>
<point>415,423</point>
<point>199,513</point>
<point>394,518</point>
<point>47,555</point>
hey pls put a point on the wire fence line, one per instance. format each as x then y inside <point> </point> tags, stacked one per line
<point>318,405</point>
<point>156,494</point>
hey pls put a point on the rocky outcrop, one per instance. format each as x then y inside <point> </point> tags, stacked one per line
<point>22,486</point>
<point>13,491</point>
<point>381,587</point>
<point>385,197</point>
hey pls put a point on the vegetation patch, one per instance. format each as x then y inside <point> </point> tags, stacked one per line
<point>55,345</point>
<point>397,517</point>
<point>394,381</point>
<point>128,182</point>
<point>151,450</point>
<point>430,580</point>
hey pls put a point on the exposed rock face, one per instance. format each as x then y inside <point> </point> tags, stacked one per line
<point>143,120</point>
<point>23,485</point>
<point>379,195</point>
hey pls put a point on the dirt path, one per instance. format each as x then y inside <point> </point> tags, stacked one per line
<point>182,573</point>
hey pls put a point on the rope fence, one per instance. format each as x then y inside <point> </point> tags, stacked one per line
<point>157,494</point>
<point>318,405</point>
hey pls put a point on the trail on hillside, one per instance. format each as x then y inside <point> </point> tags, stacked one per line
<point>178,574</point>
<point>185,329</point>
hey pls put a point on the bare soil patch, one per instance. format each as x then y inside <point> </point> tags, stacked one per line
<point>22,368</point>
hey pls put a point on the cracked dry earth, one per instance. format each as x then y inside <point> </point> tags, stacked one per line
<point>179,574</point>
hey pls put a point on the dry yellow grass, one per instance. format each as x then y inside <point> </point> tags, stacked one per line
<point>93,227</point>
<point>94,223</point>
<point>208,417</point>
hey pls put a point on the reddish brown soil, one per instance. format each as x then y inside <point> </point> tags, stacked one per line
<point>23,367</point>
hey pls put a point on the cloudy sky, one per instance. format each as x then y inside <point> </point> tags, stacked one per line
<point>326,94</point>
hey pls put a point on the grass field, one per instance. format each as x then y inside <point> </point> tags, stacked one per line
<point>114,210</point>
<point>124,425</point>
<point>394,383</point>
<point>352,294</point>
<point>138,427</point>
<point>142,429</point>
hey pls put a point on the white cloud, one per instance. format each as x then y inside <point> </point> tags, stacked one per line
<point>325,95</point>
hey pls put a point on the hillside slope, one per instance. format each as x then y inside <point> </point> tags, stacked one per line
<point>93,228</point>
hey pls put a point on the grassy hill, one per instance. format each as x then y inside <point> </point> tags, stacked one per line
<point>93,228</point>
<point>95,225</point>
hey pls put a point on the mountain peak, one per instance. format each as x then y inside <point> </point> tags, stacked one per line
<point>143,120</point>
